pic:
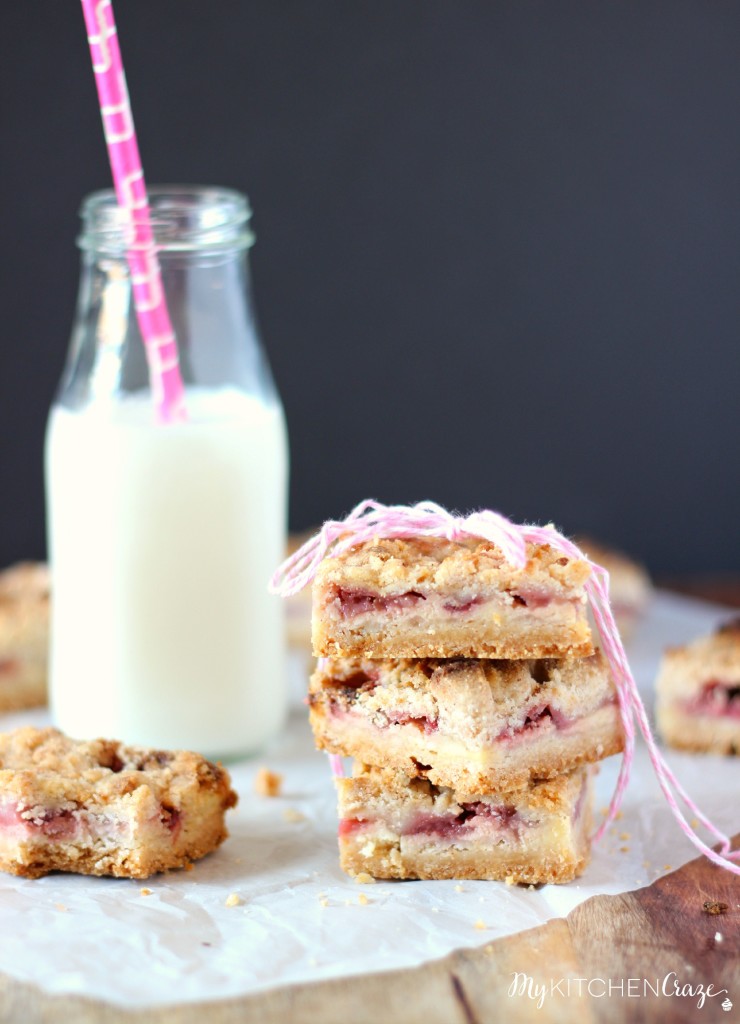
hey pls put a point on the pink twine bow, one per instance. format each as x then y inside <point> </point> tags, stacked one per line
<point>371,519</point>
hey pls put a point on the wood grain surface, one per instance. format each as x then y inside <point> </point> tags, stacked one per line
<point>645,934</point>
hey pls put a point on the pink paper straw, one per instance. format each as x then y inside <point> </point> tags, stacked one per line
<point>128,180</point>
<point>371,519</point>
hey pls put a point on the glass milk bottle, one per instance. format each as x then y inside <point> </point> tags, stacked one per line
<point>162,538</point>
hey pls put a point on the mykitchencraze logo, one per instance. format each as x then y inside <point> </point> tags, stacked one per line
<point>670,987</point>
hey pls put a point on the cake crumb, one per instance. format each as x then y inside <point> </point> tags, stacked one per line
<point>323,901</point>
<point>624,849</point>
<point>619,815</point>
<point>459,888</point>
<point>189,866</point>
<point>480,925</point>
<point>435,910</point>
<point>510,880</point>
<point>60,906</point>
<point>363,900</point>
<point>292,815</point>
<point>145,891</point>
<point>268,783</point>
<point>233,900</point>
<point>668,867</point>
<point>624,835</point>
<point>715,907</point>
<point>364,879</point>
<point>694,823</point>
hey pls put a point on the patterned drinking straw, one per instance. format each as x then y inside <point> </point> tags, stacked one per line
<point>370,519</point>
<point>128,180</point>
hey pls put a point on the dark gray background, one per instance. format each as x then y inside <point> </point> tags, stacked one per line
<point>497,257</point>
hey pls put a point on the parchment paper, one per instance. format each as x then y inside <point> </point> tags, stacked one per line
<point>299,918</point>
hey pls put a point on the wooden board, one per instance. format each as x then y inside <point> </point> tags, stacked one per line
<point>643,935</point>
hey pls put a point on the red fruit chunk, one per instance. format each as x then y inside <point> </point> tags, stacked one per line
<point>424,724</point>
<point>717,700</point>
<point>347,826</point>
<point>359,602</point>
<point>54,824</point>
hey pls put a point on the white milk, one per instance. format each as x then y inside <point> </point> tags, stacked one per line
<point>162,541</point>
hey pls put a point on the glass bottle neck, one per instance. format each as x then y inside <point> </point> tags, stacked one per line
<point>208,294</point>
<point>183,218</point>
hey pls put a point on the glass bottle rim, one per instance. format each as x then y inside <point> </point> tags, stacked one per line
<point>184,218</point>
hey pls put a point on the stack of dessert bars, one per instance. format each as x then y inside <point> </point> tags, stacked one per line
<point>470,696</point>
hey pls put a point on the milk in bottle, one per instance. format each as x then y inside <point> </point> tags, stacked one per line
<point>162,537</point>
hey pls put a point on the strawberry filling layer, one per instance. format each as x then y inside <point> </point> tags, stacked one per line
<point>349,826</point>
<point>67,824</point>
<point>461,606</point>
<point>354,601</point>
<point>474,818</point>
<point>531,598</point>
<point>537,718</point>
<point>171,818</point>
<point>56,824</point>
<point>340,707</point>
<point>421,722</point>
<point>716,700</point>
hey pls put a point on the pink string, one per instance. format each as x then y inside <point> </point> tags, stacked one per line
<point>128,179</point>
<point>370,519</point>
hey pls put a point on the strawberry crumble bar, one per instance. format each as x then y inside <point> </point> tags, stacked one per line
<point>698,693</point>
<point>101,808</point>
<point>24,636</point>
<point>480,725</point>
<point>435,598</point>
<point>394,826</point>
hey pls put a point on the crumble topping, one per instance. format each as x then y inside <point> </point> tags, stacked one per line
<point>438,563</point>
